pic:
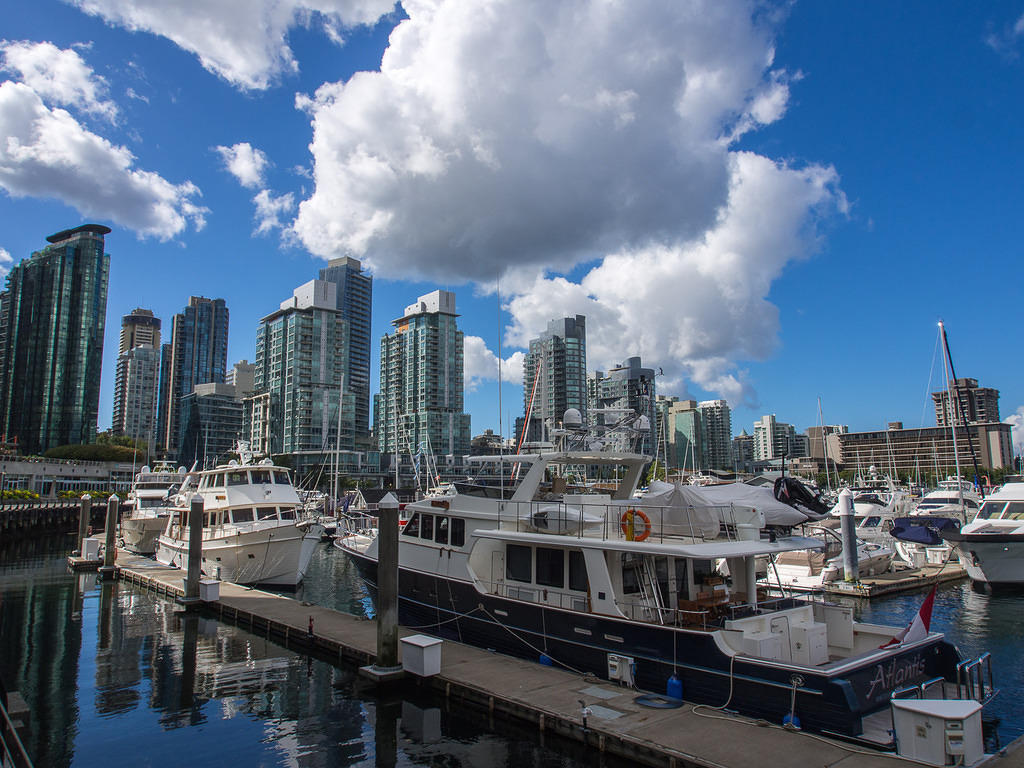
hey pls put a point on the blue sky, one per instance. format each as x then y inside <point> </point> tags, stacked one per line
<point>772,203</point>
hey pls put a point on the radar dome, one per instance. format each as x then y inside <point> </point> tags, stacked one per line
<point>572,418</point>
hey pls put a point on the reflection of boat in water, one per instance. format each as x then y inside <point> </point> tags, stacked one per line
<point>252,533</point>
<point>631,594</point>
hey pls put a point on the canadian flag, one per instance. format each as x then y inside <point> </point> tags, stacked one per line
<point>917,629</point>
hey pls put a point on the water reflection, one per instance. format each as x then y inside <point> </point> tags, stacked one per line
<point>115,673</point>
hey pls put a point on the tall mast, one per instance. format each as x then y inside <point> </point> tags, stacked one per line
<point>970,440</point>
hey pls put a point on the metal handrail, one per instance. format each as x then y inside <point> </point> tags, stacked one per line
<point>19,757</point>
<point>971,678</point>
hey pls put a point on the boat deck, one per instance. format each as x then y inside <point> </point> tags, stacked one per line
<point>545,696</point>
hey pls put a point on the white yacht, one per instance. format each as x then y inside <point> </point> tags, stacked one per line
<point>627,588</point>
<point>147,507</point>
<point>955,497</point>
<point>252,533</point>
<point>809,570</point>
<point>991,547</point>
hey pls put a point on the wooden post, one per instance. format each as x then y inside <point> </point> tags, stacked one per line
<point>84,516</point>
<point>195,549</point>
<point>110,543</point>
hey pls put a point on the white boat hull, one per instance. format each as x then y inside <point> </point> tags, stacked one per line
<point>139,534</point>
<point>277,556</point>
<point>993,562</point>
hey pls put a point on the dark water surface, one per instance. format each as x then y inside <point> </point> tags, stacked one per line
<point>114,675</point>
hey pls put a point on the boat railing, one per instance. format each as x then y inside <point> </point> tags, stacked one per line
<point>974,679</point>
<point>12,750</point>
<point>635,521</point>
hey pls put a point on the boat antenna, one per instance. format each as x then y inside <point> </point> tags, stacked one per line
<point>501,432</point>
<point>970,439</point>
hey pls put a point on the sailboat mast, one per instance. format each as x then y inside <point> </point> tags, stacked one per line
<point>970,440</point>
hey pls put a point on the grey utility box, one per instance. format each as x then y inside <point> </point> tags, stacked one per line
<point>421,655</point>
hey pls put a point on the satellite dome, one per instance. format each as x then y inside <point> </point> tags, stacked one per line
<point>643,424</point>
<point>572,418</point>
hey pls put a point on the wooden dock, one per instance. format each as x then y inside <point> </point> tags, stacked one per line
<point>898,581</point>
<point>546,697</point>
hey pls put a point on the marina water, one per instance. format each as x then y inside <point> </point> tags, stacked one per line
<point>113,672</point>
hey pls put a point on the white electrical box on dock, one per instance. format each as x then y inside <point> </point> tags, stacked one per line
<point>90,549</point>
<point>620,668</point>
<point>209,590</point>
<point>421,655</point>
<point>938,731</point>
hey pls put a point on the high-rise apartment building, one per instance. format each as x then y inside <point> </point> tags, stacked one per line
<point>743,452</point>
<point>211,424</point>
<point>680,433</point>
<point>976,405</point>
<point>420,405</point>
<point>716,426</point>
<point>196,354</point>
<point>627,388</point>
<point>52,319</point>
<point>555,375</point>
<point>138,328</point>
<point>773,439</point>
<point>137,377</point>
<point>354,301</point>
<point>301,356</point>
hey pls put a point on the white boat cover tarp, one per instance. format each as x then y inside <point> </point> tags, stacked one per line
<point>682,506</point>
<point>761,498</point>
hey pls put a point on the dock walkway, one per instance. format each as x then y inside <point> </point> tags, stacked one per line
<point>898,581</point>
<point>548,697</point>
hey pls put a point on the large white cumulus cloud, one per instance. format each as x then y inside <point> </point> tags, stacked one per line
<point>522,138</point>
<point>243,41</point>
<point>534,132</point>
<point>47,153</point>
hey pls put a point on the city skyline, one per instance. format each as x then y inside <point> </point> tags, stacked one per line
<point>789,230</point>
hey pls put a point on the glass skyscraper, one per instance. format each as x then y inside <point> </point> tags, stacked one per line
<point>555,375</point>
<point>420,405</point>
<point>353,301</point>
<point>196,354</point>
<point>300,362</point>
<point>137,378</point>
<point>52,319</point>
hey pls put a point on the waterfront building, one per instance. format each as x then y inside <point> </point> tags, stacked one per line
<point>743,452</point>
<point>354,301</point>
<point>137,377</point>
<point>628,387</point>
<point>928,451</point>
<point>52,320</point>
<point>299,388</point>
<point>774,439</point>
<point>823,442</point>
<point>680,433</point>
<point>420,405</point>
<point>716,427</point>
<point>211,424</point>
<point>136,383</point>
<point>243,376</point>
<point>554,376</point>
<point>971,403</point>
<point>196,354</point>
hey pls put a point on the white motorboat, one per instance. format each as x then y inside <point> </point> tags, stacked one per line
<point>252,531</point>
<point>147,507</point>
<point>991,547</point>
<point>809,570</point>
<point>627,589</point>
<point>955,497</point>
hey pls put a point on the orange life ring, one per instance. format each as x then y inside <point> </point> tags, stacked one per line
<point>628,524</point>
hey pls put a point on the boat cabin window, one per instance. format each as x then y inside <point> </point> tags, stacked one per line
<point>260,476</point>
<point>412,528</point>
<point>281,477</point>
<point>550,567</point>
<point>630,574</point>
<point>441,530</point>
<point>577,571</point>
<point>458,531</point>
<point>266,513</point>
<point>519,563</point>
<point>287,514</point>
<point>1014,511</point>
<point>238,478</point>
<point>242,515</point>
<point>991,509</point>
<point>214,481</point>
<point>871,521</point>
<point>427,528</point>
